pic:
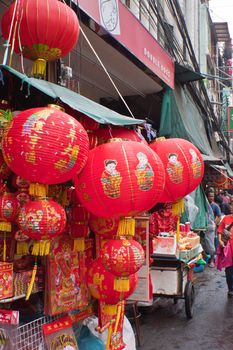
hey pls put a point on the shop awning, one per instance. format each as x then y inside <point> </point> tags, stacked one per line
<point>185,74</point>
<point>181,118</point>
<point>101,114</point>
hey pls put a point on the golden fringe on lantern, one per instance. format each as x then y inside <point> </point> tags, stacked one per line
<point>30,286</point>
<point>38,190</point>
<point>5,226</point>
<point>178,207</point>
<point>79,245</point>
<point>110,309</point>
<point>39,68</point>
<point>41,248</point>
<point>126,227</point>
<point>22,248</point>
<point>121,284</point>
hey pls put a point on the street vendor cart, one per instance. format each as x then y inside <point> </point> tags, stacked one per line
<point>172,276</point>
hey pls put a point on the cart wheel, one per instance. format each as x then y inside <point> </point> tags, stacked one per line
<point>189,299</point>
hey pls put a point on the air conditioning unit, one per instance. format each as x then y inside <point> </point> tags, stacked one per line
<point>67,72</point>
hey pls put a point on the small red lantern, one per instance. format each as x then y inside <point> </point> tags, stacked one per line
<point>8,210</point>
<point>105,134</point>
<point>45,30</point>
<point>45,145</point>
<point>120,179</point>
<point>104,226</point>
<point>42,220</point>
<point>101,286</point>
<point>183,164</point>
<point>122,258</point>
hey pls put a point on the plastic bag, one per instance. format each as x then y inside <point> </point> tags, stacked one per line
<point>191,209</point>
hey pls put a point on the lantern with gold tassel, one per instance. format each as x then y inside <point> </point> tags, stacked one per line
<point>122,258</point>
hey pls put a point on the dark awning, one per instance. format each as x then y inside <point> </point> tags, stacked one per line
<point>184,74</point>
<point>99,113</point>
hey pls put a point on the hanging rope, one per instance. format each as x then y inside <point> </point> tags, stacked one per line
<point>7,44</point>
<point>104,68</point>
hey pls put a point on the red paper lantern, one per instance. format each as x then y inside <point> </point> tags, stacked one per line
<point>41,220</point>
<point>45,145</point>
<point>120,179</point>
<point>101,284</point>
<point>183,164</point>
<point>45,29</point>
<point>8,210</point>
<point>104,226</point>
<point>105,134</point>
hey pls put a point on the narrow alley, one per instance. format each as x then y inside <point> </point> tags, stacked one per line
<point>165,326</point>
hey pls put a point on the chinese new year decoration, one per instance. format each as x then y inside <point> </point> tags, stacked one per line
<point>105,134</point>
<point>42,30</point>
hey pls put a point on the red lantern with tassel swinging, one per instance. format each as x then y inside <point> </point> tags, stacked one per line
<point>101,286</point>
<point>42,220</point>
<point>45,145</point>
<point>183,164</point>
<point>42,30</point>
<point>122,258</point>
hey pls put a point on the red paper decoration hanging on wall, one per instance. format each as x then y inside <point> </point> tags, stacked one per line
<point>183,164</point>
<point>45,145</point>
<point>101,286</point>
<point>120,179</point>
<point>42,220</point>
<point>46,30</point>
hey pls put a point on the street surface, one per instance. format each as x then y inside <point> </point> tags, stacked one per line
<point>164,326</point>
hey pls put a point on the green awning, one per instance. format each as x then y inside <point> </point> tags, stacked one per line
<point>181,118</point>
<point>184,74</point>
<point>99,113</point>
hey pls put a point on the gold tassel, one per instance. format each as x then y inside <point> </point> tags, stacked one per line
<point>109,336</point>
<point>39,68</point>
<point>41,248</point>
<point>121,284</point>
<point>126,227</point>
<point>110,309</point>
<point>117,318</point>
<point>30,286</point>
<point>4,247</point>
<point>47,248</point>
<point>38,190</point>
<point>5,226</point>
<point>22,248</point>
<point>178,207</point>
<point>36,248</point>
<point>79,245</point>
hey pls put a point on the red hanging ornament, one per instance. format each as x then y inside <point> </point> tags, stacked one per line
<point>183,164</point>
<point>8,210</point>
<point>45,30</point>
<point>120,179</point>
<point>101,286</point>
<point>45,145</point>
<point>105,134</point>
<point>42,220</point>
<point>122,258</point>
<point>104,226</point>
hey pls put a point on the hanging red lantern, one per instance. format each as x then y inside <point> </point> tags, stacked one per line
<point>120,179</point>
<point>43,30</point>
<point>101,286</point>
<point>183,164</point>
<point>122,258</point>
<point>45,145</point>
<point>8,210</point>
<point>104,226</point>
<point>105,134</point>
<point>41,220</point>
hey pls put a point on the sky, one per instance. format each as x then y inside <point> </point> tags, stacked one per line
<point>222,11</point>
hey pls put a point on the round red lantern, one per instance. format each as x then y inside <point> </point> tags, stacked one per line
<point>122,258</point>
<point>8,210</point>
<point>42,220</point>
<point>104,226</point>
<point>101,286</point>
<point>105,134</point>
<point>183,164</point>
<point>45,30</point>
<point>45,145</point>
<point>120,179</point>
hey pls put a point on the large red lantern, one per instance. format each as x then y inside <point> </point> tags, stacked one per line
<point>120,179</point>
<point>183,164</point>
<point>101,286</point>
<point>122,258</point>
<point>44,30</point>
<point>105,134</point>
<point>45,145</point>
<point>42,220</point>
